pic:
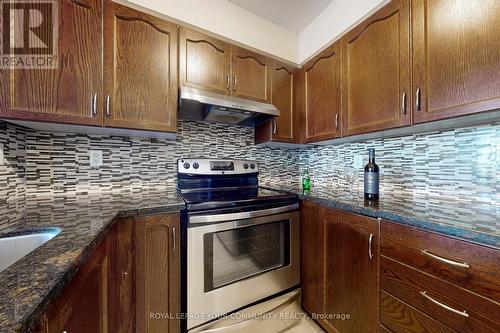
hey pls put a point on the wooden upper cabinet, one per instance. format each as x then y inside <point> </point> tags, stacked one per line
<point>251,75</point>
<point>204,62</point>
<point>351,259</point>
<point>71,92</point>
<point>456,57</point>
<point>323,99</point>
<point>377,75</point>
<point>280,129</point>
<point>282,98</point>
<point>157,261</point>
<point>140,70</point>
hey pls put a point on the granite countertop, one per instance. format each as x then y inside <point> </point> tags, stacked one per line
<point>470,219</point>
<point>29,285</point>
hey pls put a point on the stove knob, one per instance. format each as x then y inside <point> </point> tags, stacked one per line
<point>196,165</point>
<point>252,166</point>
<point>245,166</point>
<point>186,165</point>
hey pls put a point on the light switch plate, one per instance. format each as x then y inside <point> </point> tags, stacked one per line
<point>1,154</point>
<point>95,159</point>
<point>358,162</point>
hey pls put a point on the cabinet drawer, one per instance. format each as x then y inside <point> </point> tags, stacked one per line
<point>470,266</point>
<point>399,317</point>
<point>455,307</point>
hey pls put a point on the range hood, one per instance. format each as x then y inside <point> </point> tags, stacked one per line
<point>196,104</point>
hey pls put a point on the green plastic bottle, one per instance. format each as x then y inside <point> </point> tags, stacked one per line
<point>306,181</point>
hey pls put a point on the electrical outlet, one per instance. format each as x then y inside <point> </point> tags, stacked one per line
<point>1,154</point>
<point>358,162</point>
<point>95,159</point>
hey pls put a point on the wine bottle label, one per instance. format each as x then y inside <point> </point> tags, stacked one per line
<point>371,182</point>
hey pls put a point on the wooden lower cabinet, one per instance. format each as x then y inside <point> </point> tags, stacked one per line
<point>129,284</point>
<point>83,306</point>
<point>342,286</point>
<point>157,257</point>
<point>311,258</point>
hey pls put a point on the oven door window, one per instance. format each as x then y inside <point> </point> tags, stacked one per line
<point>237,254</point>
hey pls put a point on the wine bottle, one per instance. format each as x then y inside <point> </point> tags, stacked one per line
<point>371,177</point>
<point>306,181</point>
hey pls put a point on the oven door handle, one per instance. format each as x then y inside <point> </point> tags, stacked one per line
<point>252,320</point>
<point>241,216</point>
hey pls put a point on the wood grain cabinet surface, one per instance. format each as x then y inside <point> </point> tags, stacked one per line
<point>157,253</point>
<point>377,73</point>
<point>70,93</point>
<point>204,62</point>
<point>436,283</point>
<point>83,305</point>
<point>340,268</point>
<point>282,128</point>
<point>456,57</point>
<point>251,75</point>
<point>321,102</point>
<point>140,70</point>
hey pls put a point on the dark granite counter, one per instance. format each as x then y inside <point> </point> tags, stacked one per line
<point>29,285</point>
<point>463,218</point>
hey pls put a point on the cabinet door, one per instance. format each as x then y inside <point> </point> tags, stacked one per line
<point>157,273</point>
<point>322,100</point>
<point>82,307</point>
<point>280,129</point>
<point>351,270</point>
<point>251,75</point>
<point>456,57</point>
<point>377,71</point>
<point>140,70</point>
<point>282,98</point>
<point>311,258</point>
<point>71,92</point>
<point>204,62</point>
<point>121,277</point>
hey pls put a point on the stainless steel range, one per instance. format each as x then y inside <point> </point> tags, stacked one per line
<point>241,242</point>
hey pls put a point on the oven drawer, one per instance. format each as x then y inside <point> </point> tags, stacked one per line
<point>467,265</point>
<point>398,317</point>
<point>455,307</point>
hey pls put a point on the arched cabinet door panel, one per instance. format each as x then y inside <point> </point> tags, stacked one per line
<point>377,71</point>
<point>323,95</point>
<point>70,91</point>
<point>204,62</point>
<point>251,75</point>
<point>140,70</point>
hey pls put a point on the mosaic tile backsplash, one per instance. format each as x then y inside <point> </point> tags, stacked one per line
<point>464,162</point>
<point>12,174</point>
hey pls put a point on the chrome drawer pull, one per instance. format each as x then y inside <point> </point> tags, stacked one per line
<point>448,261</point>
<point>444,306</point>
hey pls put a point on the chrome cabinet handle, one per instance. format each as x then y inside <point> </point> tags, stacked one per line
<point>444,306</point>
<point>108,110</point>
<point>370,241</point>
<point>234,83</point>
<point>447,261</point>
<point>417,100</point>
<point>174,239</point>
<point>275,127</point>
<point>228,81</point>
<point>403,103</point>
<point>93,106</point>
<point>337,121</point>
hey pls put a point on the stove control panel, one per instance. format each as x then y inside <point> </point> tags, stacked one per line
<point>202,166</point>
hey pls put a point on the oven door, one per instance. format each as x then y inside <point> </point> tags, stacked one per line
<point>237,262</point>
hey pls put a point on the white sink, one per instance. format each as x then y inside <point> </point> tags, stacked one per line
<point>14,248</point>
